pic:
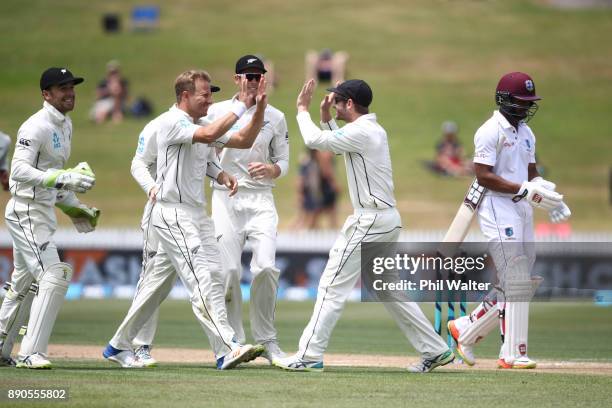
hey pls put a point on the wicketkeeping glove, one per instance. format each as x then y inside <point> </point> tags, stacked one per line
<point>80,178</point>
<point>84,218</point>
<point>538,196</point>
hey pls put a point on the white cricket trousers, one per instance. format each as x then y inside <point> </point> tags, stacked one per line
<point>31,227</point>
<point>151,290</point>
<point>187,246</point>
<point>341,273</point>
<point>508,228</point>
<point>248,215</point>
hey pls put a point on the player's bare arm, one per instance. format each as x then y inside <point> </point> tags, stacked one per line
<point>213,131</point>
<point>492,181</point>
<point>245,137</point>
<point>532,171</point>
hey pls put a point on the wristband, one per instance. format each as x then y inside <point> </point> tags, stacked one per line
<point>238,108</point>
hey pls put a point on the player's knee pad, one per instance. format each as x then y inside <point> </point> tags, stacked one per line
<point>57,275</point>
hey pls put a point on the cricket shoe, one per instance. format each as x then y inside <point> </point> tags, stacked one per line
<point>272,351</point>
<point>522,362</point>
<point>295,363</point>
<point>239,355</point>
<point>7,362</point>
<point>465,352</point>
<point>428,364</point>
<point>143,354</point>
<point>125,358</point>
<point>34,361</point>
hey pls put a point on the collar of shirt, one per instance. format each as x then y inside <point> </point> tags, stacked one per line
<point>56,116</point>
<point>501,119</point>
<point>176,109</point>
<point>367,116</point>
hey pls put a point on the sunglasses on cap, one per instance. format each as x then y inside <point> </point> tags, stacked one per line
<point>251,77</point>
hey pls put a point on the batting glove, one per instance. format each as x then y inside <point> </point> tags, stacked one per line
<point>560,213</point>
<point>538,196</point>
<point>548,185</point>
<point>80,178</point>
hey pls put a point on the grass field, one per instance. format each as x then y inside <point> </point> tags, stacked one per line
<point>562,332</point>
<point>427,61</point>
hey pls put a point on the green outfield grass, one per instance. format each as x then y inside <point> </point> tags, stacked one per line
<point>427,61</point>
<point>96,385</point>
<point>558,331</point>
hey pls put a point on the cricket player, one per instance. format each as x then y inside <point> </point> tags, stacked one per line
<point>505,164</point>
<point>38,182</point>
<point>177,219</point>
<point>363,143</point>
<point>251,214</point>
<point>144,171</point>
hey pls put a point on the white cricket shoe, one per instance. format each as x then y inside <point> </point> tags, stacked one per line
<point>295,363</point>
<point>272,351</point>
<point>34,361</point>
<point>523,362</point>
<point>466,352</point>
<point>125,358</point>
<point>240,354</point>
<point>143,354</point>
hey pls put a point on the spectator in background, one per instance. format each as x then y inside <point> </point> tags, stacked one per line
<point>326,66</point>
<point>5,148</point>
<point>317,190</point>
<point>329,188</point>
<point>450,159</point>
<point>308,190</point>
<point>111,95</point>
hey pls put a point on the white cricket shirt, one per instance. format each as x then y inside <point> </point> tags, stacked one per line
<point>181,164</point>
<point>271,145</point>
<point>366,156</point>
<point>43,142</point>
<point>517,149</point>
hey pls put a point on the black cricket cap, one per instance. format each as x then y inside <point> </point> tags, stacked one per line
<point>356,89</point>
<point>57,76</point>
<point>214,88</point>
<point>249,61</point>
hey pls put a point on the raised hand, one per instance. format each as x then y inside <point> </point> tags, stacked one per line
<point>305,96</point>
<point>262,98</point>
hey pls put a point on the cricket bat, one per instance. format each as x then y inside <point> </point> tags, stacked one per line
<point>463,219</point>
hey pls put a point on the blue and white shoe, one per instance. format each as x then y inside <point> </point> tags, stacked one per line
<point>125,358</point>
<point>295,363</point>
<point>428,364</point>
<point>143,354</point>
<point>239,355</point>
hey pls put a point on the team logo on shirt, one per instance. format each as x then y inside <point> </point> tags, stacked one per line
<point>25,142</point>
<point>529,85</point>
<point>140,148</point>
<point>528,144</point>
<point>184,123</point>
<point>56,141</point>
<point>509,232</point>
